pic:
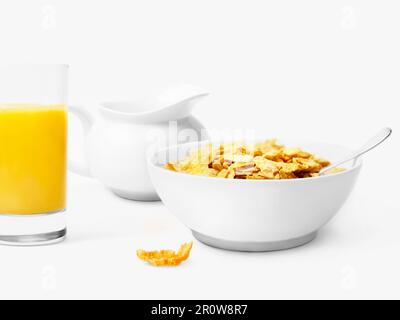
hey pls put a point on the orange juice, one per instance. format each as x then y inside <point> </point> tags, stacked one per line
<point>33,143</point>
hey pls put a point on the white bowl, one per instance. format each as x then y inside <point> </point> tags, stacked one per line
<point>253,215</point>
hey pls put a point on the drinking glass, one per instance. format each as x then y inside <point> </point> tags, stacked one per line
<point>33,145</point>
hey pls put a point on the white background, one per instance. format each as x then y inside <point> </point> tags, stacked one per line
<point>325,70</point>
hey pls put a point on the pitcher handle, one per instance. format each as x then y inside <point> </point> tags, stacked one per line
<point>87,120</point>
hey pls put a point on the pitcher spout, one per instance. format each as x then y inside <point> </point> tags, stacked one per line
<point>179,110</point>
<point>172,104</point>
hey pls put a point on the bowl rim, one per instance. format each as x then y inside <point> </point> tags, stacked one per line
<point>151,163</point>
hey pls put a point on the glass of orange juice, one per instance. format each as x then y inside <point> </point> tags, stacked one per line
<point>33,146</point>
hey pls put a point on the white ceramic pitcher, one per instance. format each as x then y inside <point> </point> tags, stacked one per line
<point>118,141</point>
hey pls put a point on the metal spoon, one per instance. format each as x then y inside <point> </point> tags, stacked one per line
<point>371,144</point>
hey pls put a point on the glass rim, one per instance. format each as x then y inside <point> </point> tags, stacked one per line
<point>34,65</point>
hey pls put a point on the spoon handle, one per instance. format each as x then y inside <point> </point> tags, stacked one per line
<point>371,144</point>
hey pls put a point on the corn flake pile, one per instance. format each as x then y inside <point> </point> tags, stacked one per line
<point>263,161</point>
<point>166,258</point>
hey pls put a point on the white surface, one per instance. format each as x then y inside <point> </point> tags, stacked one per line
<point>356,256</point>
<point>325,69</point>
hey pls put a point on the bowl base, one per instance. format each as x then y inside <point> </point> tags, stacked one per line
<point>254,246</point>
<point>145,197</point>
